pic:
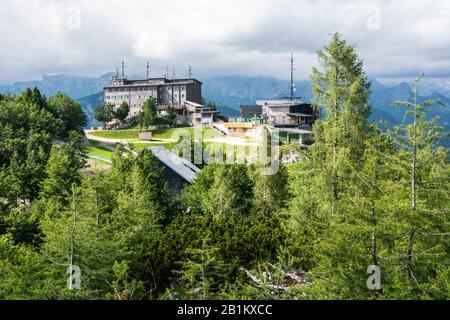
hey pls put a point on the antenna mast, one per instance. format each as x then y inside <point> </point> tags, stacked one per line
<point>292,78</point>
<point>148,69</point>
<point>173,73</point>
<point>123,69</point>
<point>190,72</point>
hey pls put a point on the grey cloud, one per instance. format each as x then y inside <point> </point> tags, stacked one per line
<point>395,39</point>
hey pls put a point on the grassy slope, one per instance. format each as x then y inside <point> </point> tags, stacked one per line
<point>173,133</point>
<point>116,134</point>
<point>99,151</point>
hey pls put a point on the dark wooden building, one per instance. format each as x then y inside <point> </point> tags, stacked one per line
<point>250,111</point>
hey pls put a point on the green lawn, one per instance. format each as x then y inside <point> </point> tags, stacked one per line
<point>215,147</point>
<point>98,151</point>
<point>175,133</point>
<point>117,134</point>
<point>172,133</point>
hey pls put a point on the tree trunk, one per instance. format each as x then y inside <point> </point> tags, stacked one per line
<point>334,183</point>
<point>409,262</point>
<point>374,240</point>
<point>334,192</point>
<point>414,165</point>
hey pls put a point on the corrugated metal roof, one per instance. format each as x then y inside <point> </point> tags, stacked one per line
<point>280,102</point>
<point>179,165</point>
<point>194,104</point>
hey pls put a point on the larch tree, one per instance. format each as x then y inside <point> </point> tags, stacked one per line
<point>342,90</point>
<point>422,192</point>
<point>332,241</point>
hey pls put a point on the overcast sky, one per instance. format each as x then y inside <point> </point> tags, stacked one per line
<point>396,39</point>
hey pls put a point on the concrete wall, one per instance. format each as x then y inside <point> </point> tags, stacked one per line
<point>134,96</point>
<point>194,92</point>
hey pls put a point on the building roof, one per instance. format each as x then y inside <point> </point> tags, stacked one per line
<point>280,102</point>
<point>199,107</point>
<point>180,166</point>
<point>194,104</point>
<point>150,82</point>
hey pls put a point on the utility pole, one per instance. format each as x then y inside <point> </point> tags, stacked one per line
<point>292,78</point>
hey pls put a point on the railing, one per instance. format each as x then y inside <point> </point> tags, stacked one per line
<point>305,127</point>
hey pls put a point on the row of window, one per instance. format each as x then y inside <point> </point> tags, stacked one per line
<point>175,95</point>
<point>126,96</point>
<point>175,88</point>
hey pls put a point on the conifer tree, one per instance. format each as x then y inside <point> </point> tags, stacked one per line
<point>342,90</point>
<point>332,241</point>
<point>422,197</point>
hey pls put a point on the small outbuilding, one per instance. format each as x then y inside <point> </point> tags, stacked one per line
<point>179,171</point>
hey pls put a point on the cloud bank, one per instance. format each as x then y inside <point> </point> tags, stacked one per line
<point>396,39</point>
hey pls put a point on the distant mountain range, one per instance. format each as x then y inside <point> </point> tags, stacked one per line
<point>235,90</point>
<point>229,92</point>
<point>88,104</point>
<point>76,87</point>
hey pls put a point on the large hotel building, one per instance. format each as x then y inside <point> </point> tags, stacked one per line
<point>166,91</point>
<point>184,95</point>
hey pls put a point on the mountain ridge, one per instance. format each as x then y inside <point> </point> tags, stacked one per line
<point>229,92</point>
